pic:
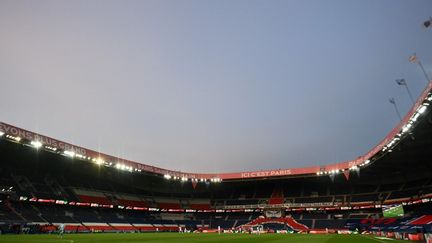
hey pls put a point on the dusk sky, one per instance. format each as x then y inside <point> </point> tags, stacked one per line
<point>212,86</point>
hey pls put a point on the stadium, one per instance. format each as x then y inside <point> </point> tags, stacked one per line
<point>47,183</point>
<point>60,191</point>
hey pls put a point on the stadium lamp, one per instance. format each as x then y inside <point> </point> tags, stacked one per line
<point>69,153</point>
<point>14,138</point>
<point>422,109</point>
<point>36,144</point>
<point>1,133</point>
<point>99,161</point>
<point>355,167</point>
<point>407,127</point>
<point>167,176</point>
<point>51,148</point>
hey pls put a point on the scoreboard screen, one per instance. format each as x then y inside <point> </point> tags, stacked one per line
<point>393,211</point>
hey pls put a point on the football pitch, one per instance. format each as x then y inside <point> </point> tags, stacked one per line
<point>191,238</point>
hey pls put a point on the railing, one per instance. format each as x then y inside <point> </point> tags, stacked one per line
<point>283,205</point>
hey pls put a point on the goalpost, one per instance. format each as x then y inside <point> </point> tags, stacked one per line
<point>258,229</point>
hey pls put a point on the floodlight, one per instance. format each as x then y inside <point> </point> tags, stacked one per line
<point>422,109</point>
<point>99,161</point>
<point>36,144</point>
<point>69,153</point>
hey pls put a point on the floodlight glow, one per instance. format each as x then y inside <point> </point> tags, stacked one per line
<point>99,161</point>
<point>17,139</point>
<point>51,148</point>
<point>1,133</point>
<point>355,167</point>
<point>36,144</point>
<point>184,179</point>
<point>167,176</point>
<point>367,162</point>
<point>69,153</point>
<point>422,109</point>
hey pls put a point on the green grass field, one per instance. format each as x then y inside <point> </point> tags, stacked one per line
<point>190,238</point>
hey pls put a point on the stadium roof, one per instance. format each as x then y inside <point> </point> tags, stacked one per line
<point>402,131</point>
